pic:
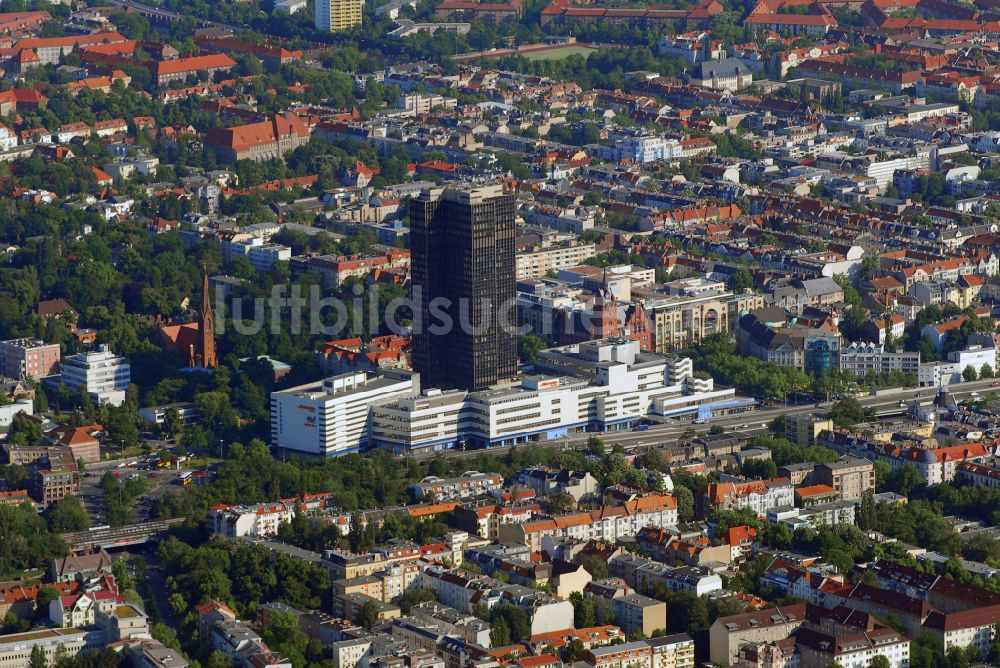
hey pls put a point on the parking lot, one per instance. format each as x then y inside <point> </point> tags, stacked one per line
<point>158,481</point>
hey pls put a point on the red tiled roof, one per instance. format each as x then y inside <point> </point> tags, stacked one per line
<point>213,61</point>
<point>244,137</point>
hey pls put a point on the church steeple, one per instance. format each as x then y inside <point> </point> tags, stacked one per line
<point>206,326</point>
<point>604,323</point>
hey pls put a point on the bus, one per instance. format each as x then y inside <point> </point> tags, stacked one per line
<point>185,478</point>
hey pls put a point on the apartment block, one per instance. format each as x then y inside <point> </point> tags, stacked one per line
<point>28,358</point>
<point>850,476</point>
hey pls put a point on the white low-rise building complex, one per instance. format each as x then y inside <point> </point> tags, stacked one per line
<point>331,417</point>
<point>102,374</point>
<point>596,386</point>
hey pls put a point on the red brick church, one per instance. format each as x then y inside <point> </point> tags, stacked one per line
<point>604,322</point>
<point>194,341</point>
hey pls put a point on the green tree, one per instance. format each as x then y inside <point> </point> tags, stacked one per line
<point>66,515</point>
<point>847,412</point>
<point>24,431</point>
<point>598,568</point>
<point>500,633</point>
<point>528,346</point>
<point>369,615</point>
<point>879,661</point>
<point>969,373</point>
<point>867,517</point>
<point>584,611</point>
<point>595,446</point>
<point>986,371</point>
<point>218,660</point>
<point>45,596</point>
<point>741,280</point>
<point>685,503</point>
<point>37,659</point>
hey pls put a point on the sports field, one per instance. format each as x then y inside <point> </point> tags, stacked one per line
<point>559,52</point>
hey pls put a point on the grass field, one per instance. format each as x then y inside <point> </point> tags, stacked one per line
<point>560,53</point>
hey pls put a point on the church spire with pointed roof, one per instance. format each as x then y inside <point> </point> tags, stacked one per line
<point>206,326</point>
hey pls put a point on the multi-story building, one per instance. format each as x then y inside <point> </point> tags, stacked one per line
<point>101,374</point>
<point>468,627</point>
<point>260,254</point>
<point>259,520</point>
<point>578,484</point>
<point>479,12</point>
<point>154,654</point>
<point>28,358</point>
<point>82,441</point>
<point>266,140</point>
<point>537,262</point>
<point>16,648</point>
<point>844,637</point>
<point>53,470</point>
<point>985,472</point>
<point>635,612</point>
<point>673,651</point>
<point>956,614</point>
<point>687,317</point>
<point>51,49</point>
<point>636,654</point>
<point>462,242</point>
<point>864,358</point>
<point>337,15</point>
<point>935,465</point>
<point>770,334</point>
<point>80,609</point>
<point>609,523</point>
<point>640,146</point>
<point>803,428</point>
<point>166,72</point>
<point>330,418</point>
<point>727,634</point>
<point>649,577</point>
<point>333,271</point>
<point>470,483</point>
<point>850,476</point>
<point>756,495</point>
<point>728,74</point>
<point>616,385</point>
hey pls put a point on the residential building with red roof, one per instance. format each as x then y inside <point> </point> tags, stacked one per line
<point>24,61</point>
<point>51,49</point>
<point>856,76</point>
<point>266,140</point>
<point>14,24</point>
<point>756,495</point>
<point>80,609</point>
<point>20,598</point>
<point>795,24</point>
<point>21,99</point>
<point>607,523</point>
<point>380,352</point>
<point>272,56</point>
<point>938,332</point>
<point>166,72</point>
<point>695,16</point>
<point>334,270</point>
<point>487,12</point>
<point>80,440</point>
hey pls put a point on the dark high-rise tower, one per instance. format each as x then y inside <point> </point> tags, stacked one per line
<point>462,245</point>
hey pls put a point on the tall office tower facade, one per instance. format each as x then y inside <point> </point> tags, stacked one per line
<point>336,15</point>
<point>463,271</point>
